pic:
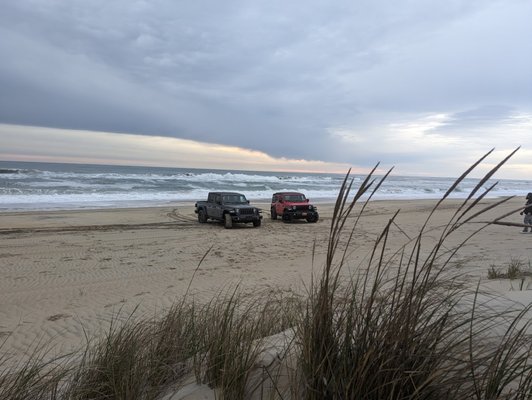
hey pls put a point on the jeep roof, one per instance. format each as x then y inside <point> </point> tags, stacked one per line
<point>222,193</point>
<point>284,193</point>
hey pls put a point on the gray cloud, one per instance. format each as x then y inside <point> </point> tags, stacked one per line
<point>273,76</point>
<point>469,122</point>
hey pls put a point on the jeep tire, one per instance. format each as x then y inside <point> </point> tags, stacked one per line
<point>273,213</point>
<point>202,217</point>
<point>228,221</point>
<point>312,219</point>
<point>256,223</point>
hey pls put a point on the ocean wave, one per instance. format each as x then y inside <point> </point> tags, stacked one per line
<point>69,186</point>
<point>8,171</point>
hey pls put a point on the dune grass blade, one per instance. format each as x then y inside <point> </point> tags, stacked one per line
<point>232,330</point>
<point>32,378</point>
<point>115,367</point>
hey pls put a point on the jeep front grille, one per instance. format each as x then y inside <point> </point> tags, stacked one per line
<point>247,211</point>
<point>302,208</point>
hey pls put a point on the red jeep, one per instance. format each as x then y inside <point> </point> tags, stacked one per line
<point>293,205</point>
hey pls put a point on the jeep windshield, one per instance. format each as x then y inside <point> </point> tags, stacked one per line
<point>234,199</point>
<point>294,197</point>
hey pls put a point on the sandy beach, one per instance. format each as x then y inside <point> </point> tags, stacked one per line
<point>66,274</point>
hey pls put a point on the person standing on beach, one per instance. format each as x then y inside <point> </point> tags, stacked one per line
<point>528,213</point>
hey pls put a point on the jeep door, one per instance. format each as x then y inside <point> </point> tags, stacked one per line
<point>218,207</point>
<point>279,207</point>
<point>213,208</point>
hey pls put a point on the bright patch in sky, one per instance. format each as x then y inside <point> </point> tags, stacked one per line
<point>60,145</point>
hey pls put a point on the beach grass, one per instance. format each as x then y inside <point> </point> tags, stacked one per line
<point>516,268</point>
<point>407,327</point>
<point>403,325</point>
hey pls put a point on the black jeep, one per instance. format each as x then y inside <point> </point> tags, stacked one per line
<point>228,207</point>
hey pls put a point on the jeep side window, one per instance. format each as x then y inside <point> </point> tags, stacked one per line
<point>295,197</point>
<point>235,199</point>
<point>274,199</point>
<point>218,199</point>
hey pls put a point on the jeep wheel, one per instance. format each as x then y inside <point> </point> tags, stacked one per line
<point>256,223</point>
<point>202,217</point>
<point>287,217</point>
<point>312,219</point>
<point>228,222</point>
<point>273,213</point>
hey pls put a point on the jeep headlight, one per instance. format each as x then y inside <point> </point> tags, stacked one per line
<point>311,207</point>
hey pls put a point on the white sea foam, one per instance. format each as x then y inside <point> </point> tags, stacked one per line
<point>44,186</point>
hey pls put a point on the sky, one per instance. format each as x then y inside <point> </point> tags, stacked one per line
<point>425,86</point>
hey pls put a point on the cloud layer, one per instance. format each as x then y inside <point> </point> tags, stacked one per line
<point>349,82</point>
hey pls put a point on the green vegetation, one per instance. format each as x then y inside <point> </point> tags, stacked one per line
<point>515,269</point>
<point>401,327</point>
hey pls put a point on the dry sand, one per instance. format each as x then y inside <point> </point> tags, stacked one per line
<point>65,274</point>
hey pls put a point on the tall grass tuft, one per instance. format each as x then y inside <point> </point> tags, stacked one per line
<point>174,340</point>
<point>233,329</point>
<point>138,358</point>
<point>114,367</point>
<point>404,327</point>
<point>33,378</point>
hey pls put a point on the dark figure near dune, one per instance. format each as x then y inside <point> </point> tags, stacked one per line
<point>527,213</point>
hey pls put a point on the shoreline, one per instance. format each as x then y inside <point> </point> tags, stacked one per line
<point>262,202</point>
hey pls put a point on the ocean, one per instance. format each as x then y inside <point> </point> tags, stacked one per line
<point>48,186</point>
